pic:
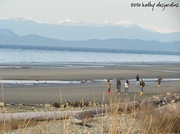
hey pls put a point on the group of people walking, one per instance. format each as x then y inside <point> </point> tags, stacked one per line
<point>139,82</point>
<point>118,85</point>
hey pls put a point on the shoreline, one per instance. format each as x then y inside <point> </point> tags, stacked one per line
<point>72,92</point>
<point>90,73</point>
<point>86,64</point>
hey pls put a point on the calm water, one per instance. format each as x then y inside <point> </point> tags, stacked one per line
<point>82,56</point>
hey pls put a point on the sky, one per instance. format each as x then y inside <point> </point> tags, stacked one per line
<point>110,12</point>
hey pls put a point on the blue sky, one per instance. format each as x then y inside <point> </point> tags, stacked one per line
<point>109,12</point>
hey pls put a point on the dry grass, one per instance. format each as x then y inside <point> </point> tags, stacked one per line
<point>11,125</point>
<point>120,118</point>
<point>159,121</point>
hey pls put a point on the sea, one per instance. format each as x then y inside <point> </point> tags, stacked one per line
<point>67,57</point>
<point>55,56</point>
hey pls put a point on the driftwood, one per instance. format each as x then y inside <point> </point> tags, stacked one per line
<point>37,115</point>
<point>79,115</point>
<point>75,116</point>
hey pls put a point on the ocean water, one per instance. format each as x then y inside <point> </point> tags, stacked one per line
<point>83,56</point>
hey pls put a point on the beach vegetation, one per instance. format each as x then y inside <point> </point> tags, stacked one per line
<point>120,117</point>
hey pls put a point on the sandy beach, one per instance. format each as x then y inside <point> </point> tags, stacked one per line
<point>50,93</point>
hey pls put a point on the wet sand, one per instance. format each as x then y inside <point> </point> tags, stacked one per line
<point>50,93</point>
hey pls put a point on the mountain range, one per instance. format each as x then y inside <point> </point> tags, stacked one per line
<point>10,39</point>
<point>78,32</point>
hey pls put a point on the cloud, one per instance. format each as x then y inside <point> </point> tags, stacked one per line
<point>124,23</point>
<point>153,28</point>
<point>105,22</point>
<point>23,19</point>
<point>67,21</point>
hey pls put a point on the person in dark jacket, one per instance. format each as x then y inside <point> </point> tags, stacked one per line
<point>142,84</point>
<point>159,81</point>
<point>137,80</point>
<point>118,85</point>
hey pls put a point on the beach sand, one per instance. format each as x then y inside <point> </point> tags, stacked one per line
<point>72,92</point>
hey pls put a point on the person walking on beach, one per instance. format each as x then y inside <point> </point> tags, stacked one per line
<point>142,84</point>
<point>126,86</point>
<point>118,85</point>
<point>137,79</point>
<point>159,81</point>
<point>109,86</point>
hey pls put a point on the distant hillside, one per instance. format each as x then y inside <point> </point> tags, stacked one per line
<point>83,32</point>
<point>9,39</point>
